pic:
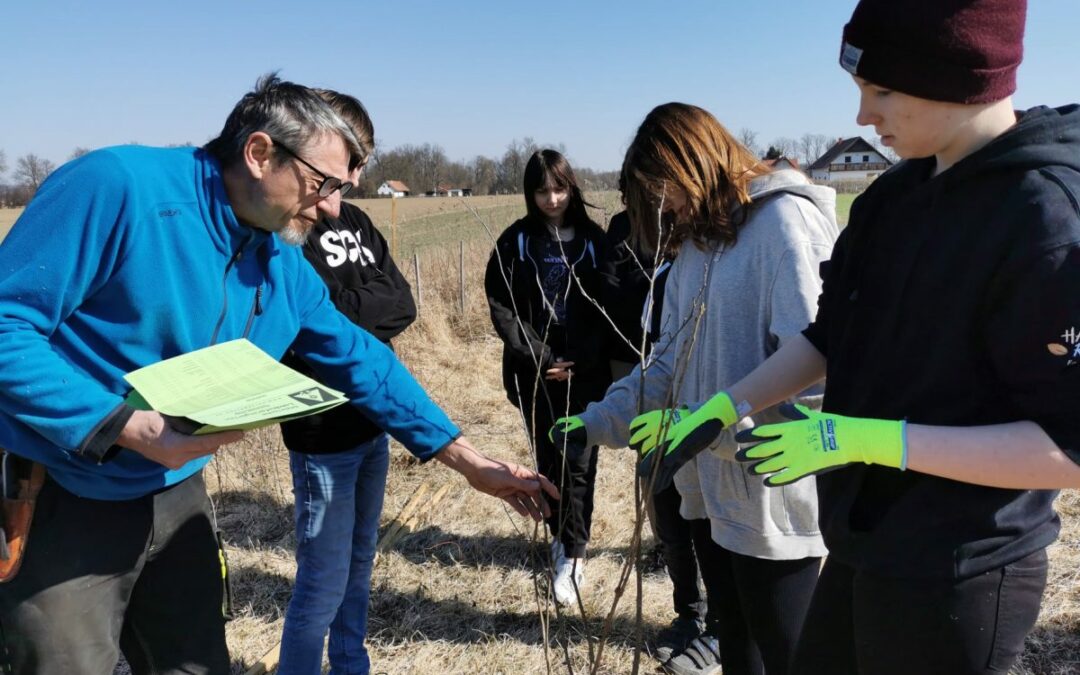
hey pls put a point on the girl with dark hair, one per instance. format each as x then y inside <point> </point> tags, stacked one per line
<point>543,282</point>
<point>745,281</point>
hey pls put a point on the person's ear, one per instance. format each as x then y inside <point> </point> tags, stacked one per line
<point>258,152</point>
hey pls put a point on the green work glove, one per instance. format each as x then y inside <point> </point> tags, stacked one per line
<point>675,444</point>
<point>815,442</point>
<point>647,429</point>
<point>569,436</point>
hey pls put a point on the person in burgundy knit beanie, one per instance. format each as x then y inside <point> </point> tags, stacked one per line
<point>948,339</point>
<point>959,51</point>
<point>937,547</point>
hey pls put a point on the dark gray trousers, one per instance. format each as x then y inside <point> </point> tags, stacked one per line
<point>142,576</point>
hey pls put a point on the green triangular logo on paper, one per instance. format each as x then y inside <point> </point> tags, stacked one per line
<point>313,396</point>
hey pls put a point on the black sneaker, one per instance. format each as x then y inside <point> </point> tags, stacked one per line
<point>676,637</point>
<point>701,657</point>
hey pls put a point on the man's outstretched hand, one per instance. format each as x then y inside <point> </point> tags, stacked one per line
<point>516,485</point>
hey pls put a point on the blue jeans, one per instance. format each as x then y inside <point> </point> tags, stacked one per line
<point>339,498</point>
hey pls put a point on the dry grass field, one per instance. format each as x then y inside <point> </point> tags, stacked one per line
<point>7,219</point>
<point>464,591</point>
<point>422,222</point>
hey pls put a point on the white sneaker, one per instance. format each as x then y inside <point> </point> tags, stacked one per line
<point>569,576</point>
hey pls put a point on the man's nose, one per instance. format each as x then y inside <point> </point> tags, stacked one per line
<point>330,205</point>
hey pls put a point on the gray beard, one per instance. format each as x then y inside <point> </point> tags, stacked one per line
<point>293,235</point>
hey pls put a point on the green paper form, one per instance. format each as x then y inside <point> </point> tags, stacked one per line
<point>232,385</point>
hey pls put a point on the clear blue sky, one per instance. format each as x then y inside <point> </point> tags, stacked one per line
<point>468,76</point>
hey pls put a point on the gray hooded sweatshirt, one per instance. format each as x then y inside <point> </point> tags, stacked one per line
<point>756,295</point>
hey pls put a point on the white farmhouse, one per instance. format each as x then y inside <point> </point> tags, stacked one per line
<point>849,159</point>
<point>393,188</point>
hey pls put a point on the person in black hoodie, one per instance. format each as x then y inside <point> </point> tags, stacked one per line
<point>339,459</point>
<point>640,275</point>
<point>544,281</point>
<point>949,331</point>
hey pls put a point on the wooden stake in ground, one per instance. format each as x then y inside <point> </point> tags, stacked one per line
<point>393,226</point>
<point>419,289</point>
<point>409,526</point>
<point>267,663</point>
<point>406,512</point>
<point>410,517</point>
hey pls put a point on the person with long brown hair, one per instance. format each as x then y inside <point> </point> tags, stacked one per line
<point>749,242</point>
<point>543,282</point>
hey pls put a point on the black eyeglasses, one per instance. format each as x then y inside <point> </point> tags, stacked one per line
<point>329,183</point>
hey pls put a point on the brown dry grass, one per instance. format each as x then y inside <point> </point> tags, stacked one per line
<point>7,219</point>
<point>412,208</point>
<point>424,222</point>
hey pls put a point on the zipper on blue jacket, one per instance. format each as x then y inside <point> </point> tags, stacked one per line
<point>236,257</point>
<point>256,310</point>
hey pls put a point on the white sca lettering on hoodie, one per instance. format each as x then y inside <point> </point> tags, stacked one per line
<point>344,246</point>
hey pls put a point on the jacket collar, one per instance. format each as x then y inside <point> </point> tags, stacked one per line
<point>226,231</point>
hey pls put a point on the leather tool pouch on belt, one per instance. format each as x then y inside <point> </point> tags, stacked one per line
<point>22,481</point>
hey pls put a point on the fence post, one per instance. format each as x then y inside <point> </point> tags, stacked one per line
<point>461,274</point>
<point>393,226</point>
<point>419,291</point>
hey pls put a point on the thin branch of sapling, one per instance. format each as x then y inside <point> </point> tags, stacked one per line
<point>681,366</point>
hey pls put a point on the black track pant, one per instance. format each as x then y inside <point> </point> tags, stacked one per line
<point>571,516</point>
<point>756,607</point>
<point>677,544</point>
<point>142,576</point>
<point>860,623</point>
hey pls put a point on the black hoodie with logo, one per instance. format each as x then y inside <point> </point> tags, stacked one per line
<point>955,300</point>
<point>366,286</point>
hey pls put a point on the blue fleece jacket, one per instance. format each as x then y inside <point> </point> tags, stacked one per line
<point>130,255</point>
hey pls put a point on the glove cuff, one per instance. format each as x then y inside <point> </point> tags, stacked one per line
<point>722,407</point>
<point>903,445</point>
<point>885,443</point>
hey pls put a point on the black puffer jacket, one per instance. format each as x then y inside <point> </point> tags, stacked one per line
<point>637,274</point>
<point>521,316</point>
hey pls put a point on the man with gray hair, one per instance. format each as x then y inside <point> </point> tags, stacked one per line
<point>152,253</point>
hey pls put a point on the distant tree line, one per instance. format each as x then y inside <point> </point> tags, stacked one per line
<point>421,167</point>
<point>425,167</point>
